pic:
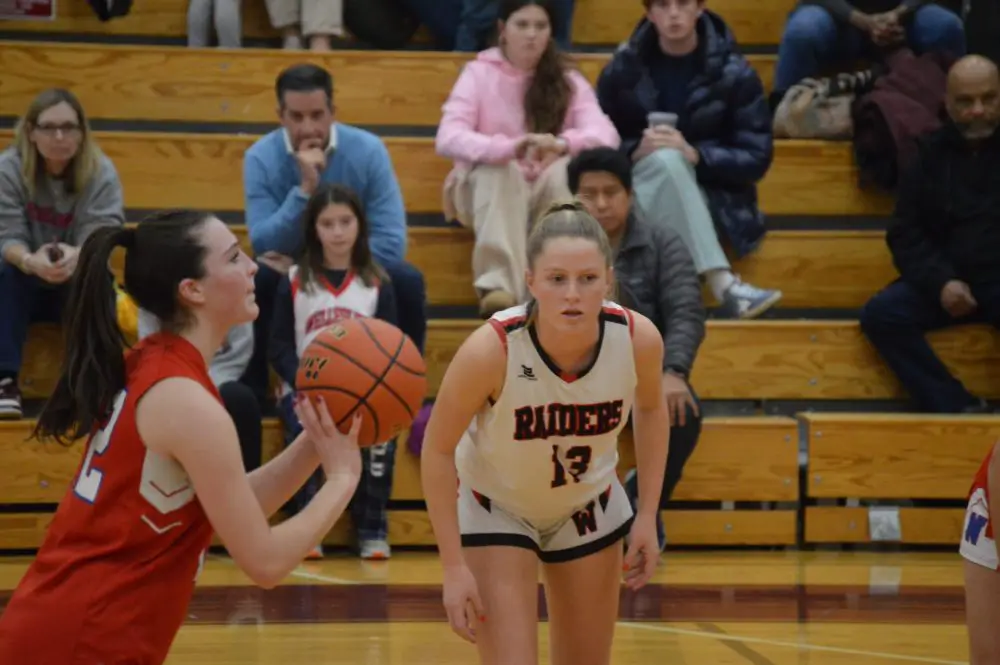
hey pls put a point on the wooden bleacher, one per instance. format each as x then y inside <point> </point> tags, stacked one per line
<point>216,85</point>
<point>205,172</point>
<point>739,360</point>
<point>738,459</point>
<point>750,461</point>
<point>595,22</point>
<point>893,458</point>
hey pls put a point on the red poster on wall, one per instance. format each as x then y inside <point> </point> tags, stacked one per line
<point>27,9</point>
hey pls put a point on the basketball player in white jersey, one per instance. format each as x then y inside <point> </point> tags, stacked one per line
<point>547,387</point>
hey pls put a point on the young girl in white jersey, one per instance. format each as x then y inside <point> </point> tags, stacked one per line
<point>336,278</point>
<point>547,387</point>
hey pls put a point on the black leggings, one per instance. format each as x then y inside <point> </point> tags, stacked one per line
<point>242,405</point>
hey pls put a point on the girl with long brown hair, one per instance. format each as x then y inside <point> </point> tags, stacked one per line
<point>515,116</point>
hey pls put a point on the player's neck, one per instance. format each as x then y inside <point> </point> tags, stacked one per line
<point>207,340</point>
<point>332,262</point>
<point>570,352</point>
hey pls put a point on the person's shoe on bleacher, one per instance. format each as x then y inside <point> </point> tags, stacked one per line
<point>10,399</point>
<point>745,301</point>
<point>495,301</point>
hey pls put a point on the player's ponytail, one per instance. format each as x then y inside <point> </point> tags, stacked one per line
<point>94,367</point>
<point>567,220</point>
<point>161,252</point>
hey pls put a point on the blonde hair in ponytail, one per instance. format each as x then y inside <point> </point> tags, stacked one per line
<point>568,219</point>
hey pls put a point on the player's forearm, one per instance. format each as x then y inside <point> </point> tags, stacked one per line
<point>291,541</point>
<point>440,482</point>
<point>651,434</point>
<point>275,482</point>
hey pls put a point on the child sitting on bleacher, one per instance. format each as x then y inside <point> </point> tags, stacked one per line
<point>336,278</point>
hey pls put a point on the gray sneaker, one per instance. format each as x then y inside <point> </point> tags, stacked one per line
<point>745,301</point>
<point>374,550</point>
<point>10,400</point>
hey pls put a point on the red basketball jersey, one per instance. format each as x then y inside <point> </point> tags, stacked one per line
<point>981,487</point>
<point>113,579</point>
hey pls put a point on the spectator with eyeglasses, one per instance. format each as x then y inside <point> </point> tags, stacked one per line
<point>56,188</point>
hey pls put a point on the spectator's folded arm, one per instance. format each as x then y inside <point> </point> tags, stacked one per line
<point>586,124</point>
<point>457,135</point>
<point>608,96</point>
<point>382,199</point>
<point>102,204</point>
<point>272,221</point>
<point>745,155</point>
<point>681,302</point>
<point>914,252</point>
<point>13,217</point>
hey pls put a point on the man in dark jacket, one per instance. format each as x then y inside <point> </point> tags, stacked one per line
<point>655,276</point>
<point>945,239</point>
<point>694,121</point>
<point>822,34</point>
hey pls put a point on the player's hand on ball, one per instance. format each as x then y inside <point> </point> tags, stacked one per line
<point>461,601</point>
<point>643,553</point>
<point>338,453</point>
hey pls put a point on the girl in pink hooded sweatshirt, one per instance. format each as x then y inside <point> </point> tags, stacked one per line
<point>515,117</point>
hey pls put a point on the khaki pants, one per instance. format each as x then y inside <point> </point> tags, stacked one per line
<point>502,207</point>
<point>316,17</point>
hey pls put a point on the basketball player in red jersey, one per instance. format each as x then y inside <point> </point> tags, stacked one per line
<point>982,565</point>
<point>548,387</point>
<point>162,469</point>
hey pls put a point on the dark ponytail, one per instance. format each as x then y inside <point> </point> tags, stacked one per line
<point>162,251</point>
<point>93,371</point>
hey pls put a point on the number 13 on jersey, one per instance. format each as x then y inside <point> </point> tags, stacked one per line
<point>577,463</point>
<point>89,481</point>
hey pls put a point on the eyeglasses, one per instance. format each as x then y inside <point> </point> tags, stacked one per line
<point>69,130</point>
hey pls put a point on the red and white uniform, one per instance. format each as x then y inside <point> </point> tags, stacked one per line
<point>978,542</point>
<point>113,579</point>
<point>537,468</point>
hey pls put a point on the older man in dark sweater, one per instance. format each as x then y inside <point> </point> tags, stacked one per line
<point>655,276</point>
<point>945,241</point>
<point>831,34</point>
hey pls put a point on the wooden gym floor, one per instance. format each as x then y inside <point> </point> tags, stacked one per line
<point>739,608</point>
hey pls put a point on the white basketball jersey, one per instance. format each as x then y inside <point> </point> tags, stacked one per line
<point>325,304</point>
<point>550,442</point>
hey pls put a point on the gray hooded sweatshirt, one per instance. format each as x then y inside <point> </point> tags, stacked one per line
<point>55,215</point>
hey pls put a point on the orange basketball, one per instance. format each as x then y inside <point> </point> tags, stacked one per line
<point>365,364</point>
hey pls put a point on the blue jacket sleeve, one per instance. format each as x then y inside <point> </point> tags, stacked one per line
<point>283,355</point>
<point>745,155</point>
<point>608,95</point>
<point>272,221</point>
<point>383,202</point>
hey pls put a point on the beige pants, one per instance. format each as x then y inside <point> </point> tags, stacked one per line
<point>317,17</point>
<point>502,207</point>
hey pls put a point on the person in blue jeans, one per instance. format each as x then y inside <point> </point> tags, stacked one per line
<point>823,35</point>
<point>468,25</point>
<point>285,167</point>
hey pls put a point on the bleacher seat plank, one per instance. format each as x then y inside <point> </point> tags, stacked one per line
<point>739,360</point>
<point>412,528</point>
<point>165,83</point>
<point>737,459</point>
<point>204,171</point>
<point>896,456</point>
<point>918,526</point>
<point>814,269</point>
<point>599,22</point>
<point>788,359</point>
<point>151,18</point>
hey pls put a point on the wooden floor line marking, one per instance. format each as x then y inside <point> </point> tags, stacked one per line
<point>792,645</point>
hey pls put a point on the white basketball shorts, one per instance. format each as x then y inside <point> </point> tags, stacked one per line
<point>599,523</point>
<point>977,545</point>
